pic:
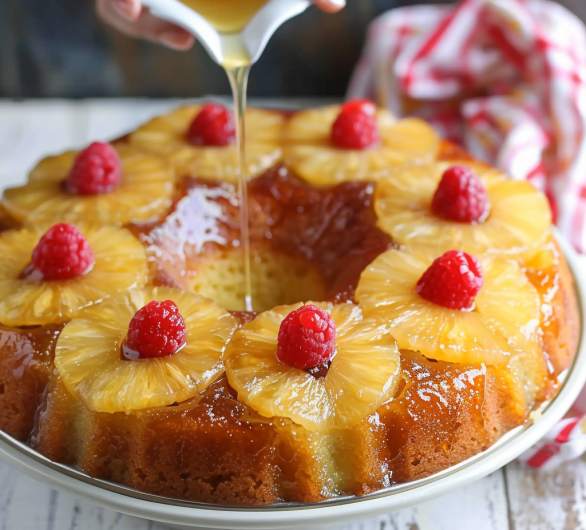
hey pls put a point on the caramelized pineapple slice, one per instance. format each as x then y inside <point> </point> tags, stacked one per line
<point>503,323</point>
<point>144,195</point>
<point>364,371</point>
<point>518,221</point>
<point>88,357</point>
<point>313,157</point>
<point>167,136</point>
<point>120,264</point>
<point>52,168</point>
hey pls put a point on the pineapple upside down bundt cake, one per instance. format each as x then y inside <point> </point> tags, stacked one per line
<point>410,306</point>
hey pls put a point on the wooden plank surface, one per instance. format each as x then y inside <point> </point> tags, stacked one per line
<point>547,501</point>
<point>512,499</point>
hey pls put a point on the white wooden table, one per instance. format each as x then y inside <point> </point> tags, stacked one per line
<point>514,498</point>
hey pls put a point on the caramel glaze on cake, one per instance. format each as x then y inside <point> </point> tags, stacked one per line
<point>213,447</point>
<point>329,231</point>
<point>216,449</point>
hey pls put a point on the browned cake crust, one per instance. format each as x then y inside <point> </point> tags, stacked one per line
<point>552,278</point>
<point>214,448</point>
<point>26,361</point>
<point>445,414</point>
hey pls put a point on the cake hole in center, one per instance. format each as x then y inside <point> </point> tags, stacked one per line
<point>278,278</point>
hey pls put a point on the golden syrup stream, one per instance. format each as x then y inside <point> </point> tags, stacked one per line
<point>238,76</point>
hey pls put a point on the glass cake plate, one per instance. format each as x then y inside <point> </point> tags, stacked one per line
<point>335,511</point>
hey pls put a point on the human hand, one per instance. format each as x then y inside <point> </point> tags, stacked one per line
<point>129,17</point>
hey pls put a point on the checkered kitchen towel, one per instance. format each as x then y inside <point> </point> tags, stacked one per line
<point>506,79</point>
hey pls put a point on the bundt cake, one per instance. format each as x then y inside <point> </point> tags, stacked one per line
<point>411,306</point>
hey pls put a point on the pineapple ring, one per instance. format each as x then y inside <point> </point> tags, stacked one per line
<point>53,168</point>
<point>165,136</point>
<point>93,371</point>
<point>144,194</point>
<point>364,372</point>
<point>120,264</point>
<point>314,159</point>
<point>504,321</point>
<point>518,221</point>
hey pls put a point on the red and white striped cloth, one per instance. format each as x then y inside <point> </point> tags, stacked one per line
<point>506,79</point>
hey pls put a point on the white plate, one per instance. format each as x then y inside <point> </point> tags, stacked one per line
<point>331,512</point>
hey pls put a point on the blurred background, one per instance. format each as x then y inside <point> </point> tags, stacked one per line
<point>59,48</point>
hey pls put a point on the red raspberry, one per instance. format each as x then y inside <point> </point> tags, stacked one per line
<point>213,126</point>
<point>360,105</point>
<point>62,253</point>
<point>460,196</point>
<point>452,281</point>
<point>156,330</point>
<point>356,127</point>
<point>307,338</point>
<point>97,169</point>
